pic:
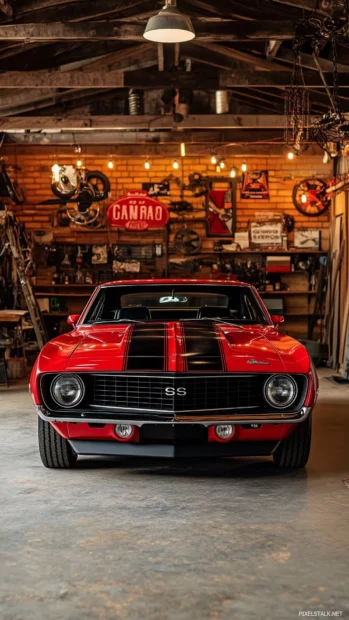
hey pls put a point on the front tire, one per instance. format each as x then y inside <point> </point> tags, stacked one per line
<point>294,451</point>
<point>55,451</point>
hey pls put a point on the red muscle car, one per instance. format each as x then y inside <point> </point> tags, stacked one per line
<point>174,368</point>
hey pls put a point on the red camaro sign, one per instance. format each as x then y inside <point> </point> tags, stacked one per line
<point>137,211</point>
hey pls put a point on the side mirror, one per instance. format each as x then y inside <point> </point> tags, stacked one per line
<point>73,319</point>
<point>277,319</point>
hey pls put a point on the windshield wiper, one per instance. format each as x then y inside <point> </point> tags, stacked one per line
<point>218,320</point>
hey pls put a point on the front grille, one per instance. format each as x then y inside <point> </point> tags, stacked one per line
<point>178,393</point>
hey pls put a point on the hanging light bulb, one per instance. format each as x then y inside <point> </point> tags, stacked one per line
<point>78,149</point>
<point>304,198</point>
<point>79,163</point>
<point>244,166</point>
<point>147,164</point>
<point>175,164</point>
<point>55,171</point>
<point>169,26</point>
<point>213,160</point>
<point>110,164</point>
<point>222,164</point>
<point>182,149</point>
<point>233,172</point>
<point>218,168</point>
<point>290,155</point>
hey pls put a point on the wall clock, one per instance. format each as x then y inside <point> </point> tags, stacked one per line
<point>310,197</point>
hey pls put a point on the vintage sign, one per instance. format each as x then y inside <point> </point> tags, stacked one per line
<point>137,211</point>
<point>266,234</point>
<point>255,185</point>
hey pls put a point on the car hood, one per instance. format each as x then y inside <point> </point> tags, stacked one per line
<point>187,346</point>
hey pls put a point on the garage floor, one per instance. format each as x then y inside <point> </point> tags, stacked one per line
<point>177,540</point>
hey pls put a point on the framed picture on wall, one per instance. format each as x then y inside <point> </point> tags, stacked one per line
<point>221,207</point>
<point>307,239</point>
<point>255,185</point>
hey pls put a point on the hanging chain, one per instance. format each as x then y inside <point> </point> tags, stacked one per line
<point>335,73</point>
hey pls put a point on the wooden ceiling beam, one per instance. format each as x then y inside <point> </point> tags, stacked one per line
<point>228,31</point>
<point>238,79</point>
<point>143,122</point>
<point>151,150</point>
<point>146,138</point>
<point>321,6</point>
<point>148,80</point>
<point>245,57</point>
<point>30,6</point>
<point>307,61</point>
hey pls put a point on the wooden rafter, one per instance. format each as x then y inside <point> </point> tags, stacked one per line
<point>144,122</point>
<point>228,30</point>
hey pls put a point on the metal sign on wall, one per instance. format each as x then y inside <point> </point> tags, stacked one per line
<point>137,211</point>
<point>266,234</point>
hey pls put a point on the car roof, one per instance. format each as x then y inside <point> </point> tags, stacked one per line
<point>175,281</point>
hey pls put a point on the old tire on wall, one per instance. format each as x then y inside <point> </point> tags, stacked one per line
<point>294,451</point>
<point>55,451</point>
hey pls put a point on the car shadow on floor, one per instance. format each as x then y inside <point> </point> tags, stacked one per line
<point>199,468</point>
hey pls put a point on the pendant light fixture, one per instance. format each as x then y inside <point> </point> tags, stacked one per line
<point>169,26</point>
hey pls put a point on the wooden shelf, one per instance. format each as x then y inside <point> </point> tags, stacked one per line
<point>272,252</point>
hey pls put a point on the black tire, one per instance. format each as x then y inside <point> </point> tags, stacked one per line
<point>55,451</point>
<point>294,451</point>
<point>100,193</point>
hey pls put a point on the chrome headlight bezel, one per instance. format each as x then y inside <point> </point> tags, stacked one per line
<point>80,385</point>
<point>293,385</point>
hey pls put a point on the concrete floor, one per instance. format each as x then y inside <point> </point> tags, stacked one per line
<point>162,540</point>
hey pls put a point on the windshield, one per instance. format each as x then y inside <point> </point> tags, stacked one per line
<point>176,302</point>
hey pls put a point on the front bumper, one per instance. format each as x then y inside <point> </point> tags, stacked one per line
<point>125,418</point>
<point>114,448</point>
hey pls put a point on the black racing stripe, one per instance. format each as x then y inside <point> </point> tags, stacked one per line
<point>147,350</point>
<point>202,347</point>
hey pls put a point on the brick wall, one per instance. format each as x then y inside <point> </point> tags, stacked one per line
<point>129,173</point>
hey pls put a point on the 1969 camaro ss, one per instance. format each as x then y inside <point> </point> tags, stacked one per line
<point>174,368</point>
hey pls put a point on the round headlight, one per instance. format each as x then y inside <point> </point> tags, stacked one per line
<point>280,391</point>
<point>67,390</point>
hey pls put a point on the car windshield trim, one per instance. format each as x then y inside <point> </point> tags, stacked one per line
<point>242,302</point>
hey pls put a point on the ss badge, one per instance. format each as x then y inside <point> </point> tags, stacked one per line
<point>170,391</point>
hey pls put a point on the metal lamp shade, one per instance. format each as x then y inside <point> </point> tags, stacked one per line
<point>169,26</point>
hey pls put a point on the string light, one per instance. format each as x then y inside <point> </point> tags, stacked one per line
<point>304,198</point>
<point>222,164</point>
<point>290,155</point>
<point>244,166</point>
<point>182,149</point>
<point>213,160</point>
<point>147,164</point>
<point>233,172</point>
<point>175,164</point>
<point>110,164</point>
